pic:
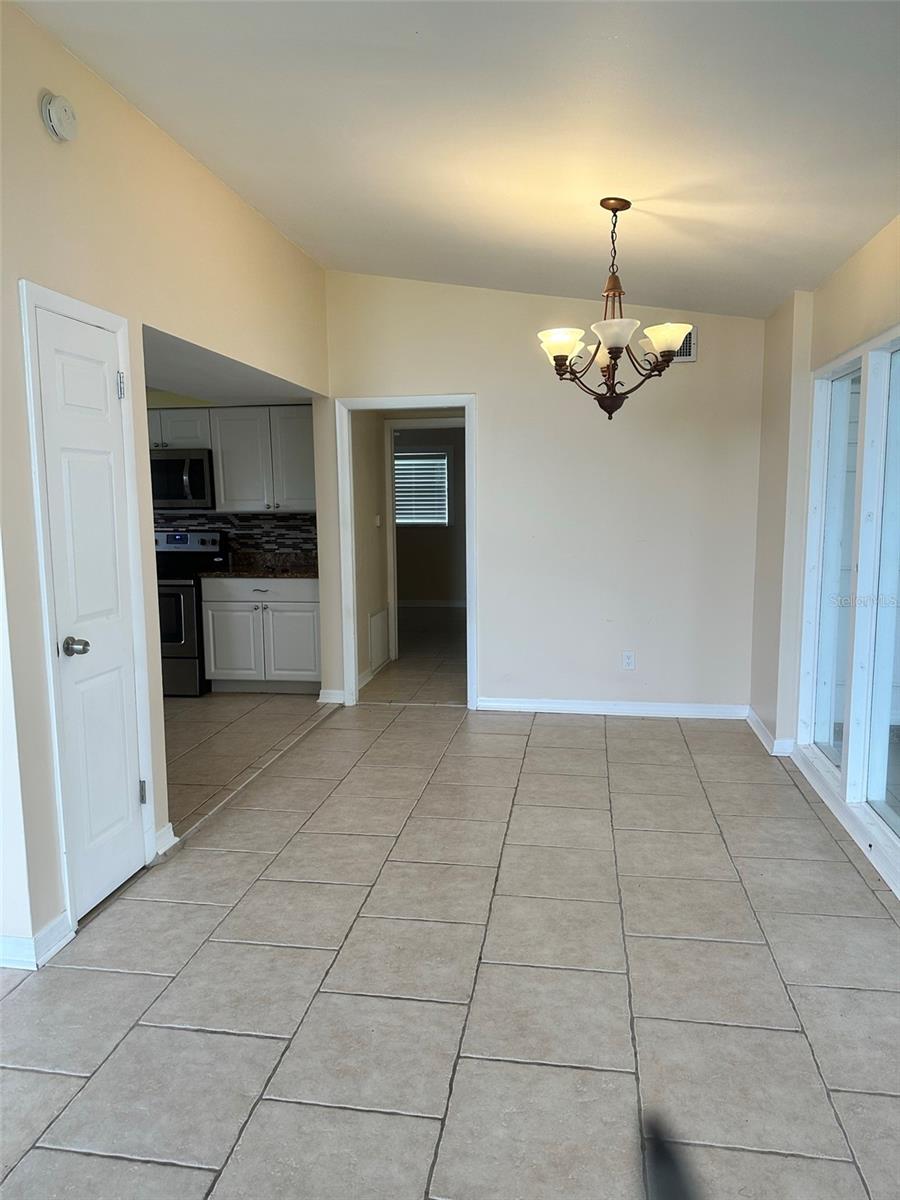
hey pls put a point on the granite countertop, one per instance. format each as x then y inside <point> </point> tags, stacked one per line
<point>251,564</point>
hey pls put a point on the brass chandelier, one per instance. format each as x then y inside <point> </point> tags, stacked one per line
<point>572,359</point>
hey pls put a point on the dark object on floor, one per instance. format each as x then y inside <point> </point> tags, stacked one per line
<point>667,1174</point>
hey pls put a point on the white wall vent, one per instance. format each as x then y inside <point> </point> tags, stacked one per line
<point>688,351</point>
<point>378,639</point>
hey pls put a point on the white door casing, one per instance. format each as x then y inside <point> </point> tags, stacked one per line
<point>84,453</point>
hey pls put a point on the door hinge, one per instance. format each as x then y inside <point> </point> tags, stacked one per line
<point>142,790</point>
<point>120,385</point>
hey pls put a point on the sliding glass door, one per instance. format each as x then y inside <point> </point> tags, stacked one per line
<point>883,776</point>
<point>849,722</point>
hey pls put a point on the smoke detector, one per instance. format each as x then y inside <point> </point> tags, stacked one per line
<point>59,117</point>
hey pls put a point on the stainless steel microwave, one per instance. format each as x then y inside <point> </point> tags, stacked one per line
<point>182,478</point>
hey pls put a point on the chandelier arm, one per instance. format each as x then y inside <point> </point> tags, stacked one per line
<point>638,365</point>
<point>589,391</point>
<point>587,366</point>
<point>630,391</point>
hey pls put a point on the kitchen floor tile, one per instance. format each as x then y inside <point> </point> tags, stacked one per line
<point>679,855</point>
<point>555,760</point>
<point>236,987</point>
<point>740,985</point>
<point>740,1174</point>
<point>488,745</point>
<point>654,781</point>
<point>571,737</point>
<point>264,830</point>
<point>535,1014</point>
<point>568,721</point>
<point>558,873</point>
<point>185,798</point>
<point>432,892</point>
<point>532,825</point>
<point>200,876</point>
<point>66,1019</point>
<point>170,1094</point>
<point>555,933</point>
<point>292,795</point>
<point>31,1099</point>
<point>536,1132</point>
<point>303,763</point>
<point>330,858</point>
<point>139,935</point>
<point>485,722</point>
<point>337,1153</point>
<point>854,952</point>
<point>340,741</point>
<point>855,1036</point>
<point>421,960</point>
<point>568,791</point>
<point>372,1052</point>
<point>437,839</point>
<point>872,1123</point>
<point>59,1173</point>
<point>678,814</point>
<point>360,815</point>
<point>739,768</point>
<point>394,783</point>
<point>750,1088</point>
<point>777,837</point>
<point>281,913</point>
<point>647,751</point>
<point>688,908</point>
<point>10,978</point>
<point>375,717</point>
<point>395,752</point>
<point>743,742</point>
<point>479,772</point>
<point>202,766</point>
<point>465,803</point>
<point>827,888</point>
<point>758,800</point>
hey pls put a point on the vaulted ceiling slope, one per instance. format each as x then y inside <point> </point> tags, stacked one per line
<point>470,142</point>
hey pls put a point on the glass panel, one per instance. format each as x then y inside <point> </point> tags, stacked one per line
<point>832,660</point>
<point>883,791</point>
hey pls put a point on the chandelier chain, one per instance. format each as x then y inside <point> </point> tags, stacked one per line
<point>613,268</point>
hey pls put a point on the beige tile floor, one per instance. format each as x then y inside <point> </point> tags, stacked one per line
<point>431,669</point>
<point>425,953</point>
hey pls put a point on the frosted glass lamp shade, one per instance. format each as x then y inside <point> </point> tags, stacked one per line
<point>561,341</point>
<point>667,337</point>
<point>646,345</point>
<point>602,359</point>
<point>615,335</point>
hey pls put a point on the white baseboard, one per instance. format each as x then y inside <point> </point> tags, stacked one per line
<point>27,954</point>
<point>865,827</point>
<point>780,746</point>
<point>331,696</point>
<point>616,708</point>
<point>165,839</point>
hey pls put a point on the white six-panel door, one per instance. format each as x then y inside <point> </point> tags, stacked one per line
<point>84,450</point>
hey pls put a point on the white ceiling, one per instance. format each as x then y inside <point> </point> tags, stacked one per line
<point>470,142</point>
<point>173,365</point>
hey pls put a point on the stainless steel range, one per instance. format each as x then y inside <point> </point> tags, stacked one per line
<point>181,557</point>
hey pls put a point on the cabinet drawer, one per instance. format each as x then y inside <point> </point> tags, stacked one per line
<point>258,590</point>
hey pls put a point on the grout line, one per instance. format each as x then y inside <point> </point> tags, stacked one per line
<point>791,1002</point>
<point>386,1112</point>
<point>762,1150</point>
<point>540,1062</point>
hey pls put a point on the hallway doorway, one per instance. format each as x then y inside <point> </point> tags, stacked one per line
<point>406,489</point>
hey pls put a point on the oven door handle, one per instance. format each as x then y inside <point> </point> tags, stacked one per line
<point>186,478</point>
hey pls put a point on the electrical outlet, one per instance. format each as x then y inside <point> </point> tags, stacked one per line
<point>627,660</point>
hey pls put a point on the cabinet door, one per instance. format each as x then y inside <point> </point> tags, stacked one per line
<point>233,640</point>
<point>292,641</point>
<point>185,428</point>
<point>154,428</point>
<point>293,465</point>
<point>242,459</point>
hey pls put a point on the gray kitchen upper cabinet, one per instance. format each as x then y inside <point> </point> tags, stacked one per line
<point>185,428</point>
<point>293,467</point>
<point>154,428</point>
<point>242,459</point>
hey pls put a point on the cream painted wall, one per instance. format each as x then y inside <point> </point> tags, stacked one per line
<point>125,219</point>
<point>857,303</point>
<point>861,298</point>
<point>593,537</point>
<point>782,472</point>
<point>367,438</point>
<point>156,398</point>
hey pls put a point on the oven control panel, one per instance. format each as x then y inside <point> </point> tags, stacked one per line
<point>173,539</point>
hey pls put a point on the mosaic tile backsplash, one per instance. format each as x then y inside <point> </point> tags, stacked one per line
<point>257,533</point>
